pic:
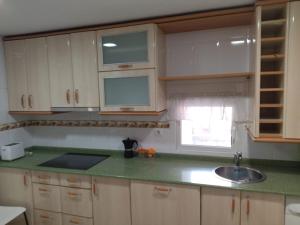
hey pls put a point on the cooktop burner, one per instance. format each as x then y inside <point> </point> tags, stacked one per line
<point>79,161</point>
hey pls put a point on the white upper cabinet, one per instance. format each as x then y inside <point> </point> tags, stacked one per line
<point>37,75</point>
<point>127,48</point>
<point>17,75</point>
<point>73,70</point>
<point>85,76</point>
<point>28,78</point>
<point>292,81</point>
<point>132,90</point>
<point>60,71</point>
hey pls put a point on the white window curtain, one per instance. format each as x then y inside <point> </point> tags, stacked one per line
<point>211,101</point>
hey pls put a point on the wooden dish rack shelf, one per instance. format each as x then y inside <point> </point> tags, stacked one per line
<point>272,67</point>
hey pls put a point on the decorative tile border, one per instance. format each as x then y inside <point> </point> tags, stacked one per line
<point>85,123</point>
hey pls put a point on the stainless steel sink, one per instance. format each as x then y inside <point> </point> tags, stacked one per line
<point>239,174</point>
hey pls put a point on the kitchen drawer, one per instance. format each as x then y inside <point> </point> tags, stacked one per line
<point>45,178</point>
<point>77,201</point>
<point>42,217</point>
<point>78,181</point>
<point>46,197</point>
<point>76,220</point>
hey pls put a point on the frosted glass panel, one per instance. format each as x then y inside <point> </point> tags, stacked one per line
<point>125,48</point>
<point>132,91</point>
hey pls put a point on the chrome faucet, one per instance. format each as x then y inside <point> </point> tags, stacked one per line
<point>238,156</point>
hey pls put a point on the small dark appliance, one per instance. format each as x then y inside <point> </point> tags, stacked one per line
<point>130,146</point>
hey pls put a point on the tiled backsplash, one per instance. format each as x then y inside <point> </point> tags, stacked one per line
<point>84,123</point>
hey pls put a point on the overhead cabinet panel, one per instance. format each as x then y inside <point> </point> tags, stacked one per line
<point>292,107</point>
<point>85,76</point>
<point>37,75</point>
<point>60,71</point>
<point>127,48</point>
<point>16,75</point>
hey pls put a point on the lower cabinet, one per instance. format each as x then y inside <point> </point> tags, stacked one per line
<point>230,207</point>
<point>220,206</point>
<point>163,204</point>
<point>111,201</point>
<point>16,190</point>
<point>262,209</point>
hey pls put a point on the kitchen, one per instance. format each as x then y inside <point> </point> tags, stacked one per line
<point>186,114</point>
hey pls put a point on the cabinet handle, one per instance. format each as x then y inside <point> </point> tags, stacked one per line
<point>72,180</point>
<point>23,101</point>
<point>163,190</point>
<point>44,217</point>
<point>233,205</point>
<point>74,222</point>
<point>44,177</point>
<point>43,190</point>
<point>94,188</point>
<point>68,96</point>
<point>125,66</point>
<point>25,180</point>
<point>127,109</point>
<point>30,101</point>
<point>77,96</point>
<point>248,207</point>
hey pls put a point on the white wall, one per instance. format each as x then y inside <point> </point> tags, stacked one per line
<point>9,136</point>
<point>165,140</point>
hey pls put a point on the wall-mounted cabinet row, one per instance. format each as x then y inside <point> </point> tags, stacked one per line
<point>65,199</point>
<point>57,73</point>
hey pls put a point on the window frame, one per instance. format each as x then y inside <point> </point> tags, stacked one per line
<point>201,149</point>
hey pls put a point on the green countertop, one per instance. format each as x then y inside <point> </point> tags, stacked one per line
<point>282,177</point>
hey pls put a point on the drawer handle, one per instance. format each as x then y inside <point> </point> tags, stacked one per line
<point>43,190</point>
<point>74,222</point>
<point>163,190</point>
<point>125,66</point>
<point>74,195</point>
<point>44,216</point>
<point>72,180</point>
<point>43,177</point>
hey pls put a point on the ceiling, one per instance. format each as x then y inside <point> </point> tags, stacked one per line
<point>28,16</point>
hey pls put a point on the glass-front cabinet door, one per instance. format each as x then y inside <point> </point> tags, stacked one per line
<point>132,90</point>
<point>126,48</point>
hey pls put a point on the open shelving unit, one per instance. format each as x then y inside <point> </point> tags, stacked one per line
<point>272,67</point>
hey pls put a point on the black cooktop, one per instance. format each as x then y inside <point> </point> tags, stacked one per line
<point>77,161</point>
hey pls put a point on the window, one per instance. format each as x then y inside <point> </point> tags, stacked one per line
<point>207,126</point>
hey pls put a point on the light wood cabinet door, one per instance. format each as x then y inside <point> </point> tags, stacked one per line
<point>85,75</point>
<point>262,208</point>
<point>16,75</point>
<point>60,71</point>
<point>292,80</point>
<point>16,190</point>
<point>111,201</point>
<point>76,201</point>
<point>220,206</point>
<point>162,204</point>
<point>37,75</point>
